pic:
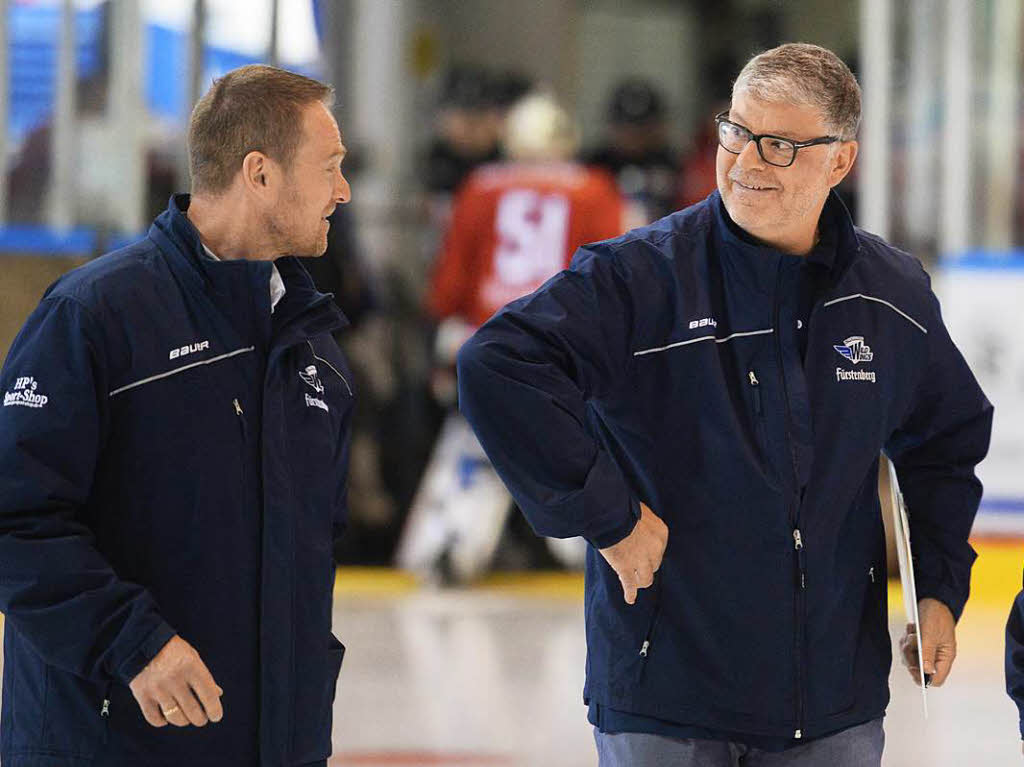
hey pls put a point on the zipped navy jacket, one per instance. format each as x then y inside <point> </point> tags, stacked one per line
<point>172,461</point>
<point>663,367</point>
<point>1015,656</point>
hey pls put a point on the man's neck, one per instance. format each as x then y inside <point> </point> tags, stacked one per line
<point>225,227</point>
<point>799,246</point>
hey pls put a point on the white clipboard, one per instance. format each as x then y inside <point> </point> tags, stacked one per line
<point>901,532</point>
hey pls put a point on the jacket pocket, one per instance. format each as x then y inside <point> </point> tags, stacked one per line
<point>634,648</point>
<point>647,646</point>
<point>73,723</point>
<point>314,703</point>
<point>757,406</point>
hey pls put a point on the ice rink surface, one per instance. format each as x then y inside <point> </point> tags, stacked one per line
<point>492,676</point>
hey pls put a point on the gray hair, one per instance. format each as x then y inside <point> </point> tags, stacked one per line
<point>808,75</point>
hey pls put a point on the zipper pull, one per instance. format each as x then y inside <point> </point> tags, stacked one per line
<point>753,378</point>
<point>871,573</point>
<point>105,711</point>
<point>643,649</point>
<point>238,407</point>
<point>797,539</point>
<point>798,734</point>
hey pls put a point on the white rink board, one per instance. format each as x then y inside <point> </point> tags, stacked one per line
<point>983,307</point>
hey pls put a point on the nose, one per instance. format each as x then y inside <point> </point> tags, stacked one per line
<point>749,157</point>
<point>342,190</point>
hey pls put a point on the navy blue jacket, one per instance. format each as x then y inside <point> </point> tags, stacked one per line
<point>172,460</point>
<point>1015,656</point>
<point>663,367</point>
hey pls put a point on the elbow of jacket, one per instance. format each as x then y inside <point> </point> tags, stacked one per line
<point>467,363</point>
<point>470,360</point>
<point>467,356</point>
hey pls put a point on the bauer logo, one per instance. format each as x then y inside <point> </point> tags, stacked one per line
<point>25,393</point>
<point>707,322</point>
<point>182,351</point>
<point>855,350</point>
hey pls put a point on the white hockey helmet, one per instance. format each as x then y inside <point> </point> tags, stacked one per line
<point>538,129</point>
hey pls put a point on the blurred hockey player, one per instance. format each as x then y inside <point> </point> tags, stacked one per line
<point>514,225</point>
<point>636,150</point>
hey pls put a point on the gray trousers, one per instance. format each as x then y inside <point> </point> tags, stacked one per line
<point>859,746</point>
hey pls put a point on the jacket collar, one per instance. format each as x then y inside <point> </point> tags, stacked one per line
<point>180,242</point>
<point>838,244</point>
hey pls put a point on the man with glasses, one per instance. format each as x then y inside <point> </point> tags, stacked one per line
<point>704,400</point>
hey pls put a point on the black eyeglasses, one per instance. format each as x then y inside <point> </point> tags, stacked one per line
<point>774,150</point>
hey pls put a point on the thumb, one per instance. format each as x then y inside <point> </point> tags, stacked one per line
<point>628,589</point>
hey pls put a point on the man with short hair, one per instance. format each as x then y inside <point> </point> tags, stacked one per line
<point>173,453</point>
<point>704,400</point>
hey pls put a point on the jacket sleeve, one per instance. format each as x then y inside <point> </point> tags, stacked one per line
<point>56,589</point>
<point>935,451</point>
<point>524,381</point>
<point>1015,656</point>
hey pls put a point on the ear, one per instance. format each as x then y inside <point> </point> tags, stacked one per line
<point>257,173</point>
<point>842,162</point>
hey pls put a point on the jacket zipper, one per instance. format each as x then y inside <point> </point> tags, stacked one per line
<point>241,416</point>
<point>757,391</point>
<point>105,711</point>
<point>798,544</point>
<point>759,426</point>
<point>645,647</point>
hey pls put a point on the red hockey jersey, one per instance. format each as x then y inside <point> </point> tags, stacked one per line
<point>514,226</point>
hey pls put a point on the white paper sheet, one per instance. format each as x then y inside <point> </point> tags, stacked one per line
<point>901,530</point>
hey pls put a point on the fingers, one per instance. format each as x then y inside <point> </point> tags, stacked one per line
<point>189,705</point>
<point>937,657</point>
<point>208,692</point>
<point>632,582</point>
<point>908,650</point>
<point>177,688</point>
<point>152,713</point>
<point>645,576</point>
<point>172,712</point>
<point>943,654</point>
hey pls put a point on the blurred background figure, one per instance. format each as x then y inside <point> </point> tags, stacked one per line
<point>514,225</point>
<point>467,134</point>
<point>637,153</point>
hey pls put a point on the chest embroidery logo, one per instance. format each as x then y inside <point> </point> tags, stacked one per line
<point>25,393</point>
<point>311,378</point>
<point>855,350</point>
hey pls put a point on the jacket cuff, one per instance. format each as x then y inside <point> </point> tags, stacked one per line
<point>145,652</point>
<point>950,597</point>
<point>610,530</point>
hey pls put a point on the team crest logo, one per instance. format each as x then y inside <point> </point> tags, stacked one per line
<point>309,375</point>
<point>855,350</point>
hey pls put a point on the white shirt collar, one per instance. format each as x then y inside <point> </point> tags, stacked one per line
<point>277,289</point>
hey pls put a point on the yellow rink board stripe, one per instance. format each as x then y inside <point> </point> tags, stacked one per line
<point>995,580</point>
